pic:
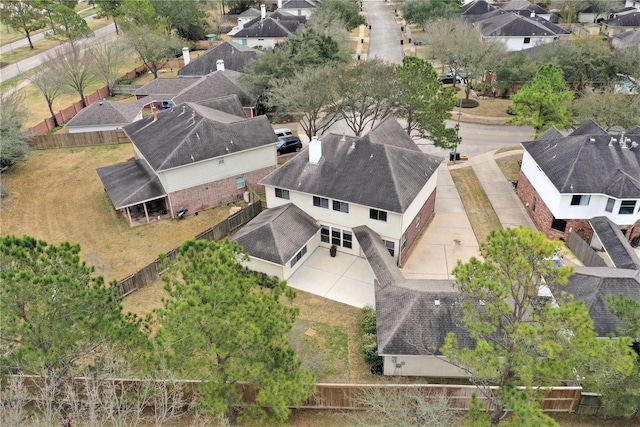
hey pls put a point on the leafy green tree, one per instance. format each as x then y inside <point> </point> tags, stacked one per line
<point>609,109</point>
<point>303,96</point>
<point>425,104</point>
<point>348,10</point>
<point>184,17</point>
<point>516,67</point>
<point>221,325</point>
<point>521,338</point>
<point>365,93</point>
<point>23,16</point>
<point>56,316</point>
<point>13,135</point>
<point>68,24</point>
<point>111,9</point>
<point>419,12</point>
<point>542,102</point>
<point>628,61</point>
<point>140,13</point>
<point>154,46</point>
<point>297,53</point>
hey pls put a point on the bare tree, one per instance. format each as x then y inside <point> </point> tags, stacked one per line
<point>154,46</point>
<point>74,66</point>
<point>51,87</point>
<point>364,93</point>
<point>108,57</point>
<point>14,398</point>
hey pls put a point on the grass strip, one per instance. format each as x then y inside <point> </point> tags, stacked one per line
<point>481,215</point>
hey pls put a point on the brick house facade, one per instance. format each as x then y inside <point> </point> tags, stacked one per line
<point>418,224</point>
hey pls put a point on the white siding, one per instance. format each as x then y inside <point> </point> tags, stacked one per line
<point>430,366</point>
<point>542,184</point>
<point>212,170</point>
<point>517,43</point>
<point>265,267</point>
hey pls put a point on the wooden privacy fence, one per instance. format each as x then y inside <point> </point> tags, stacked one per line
<point>338,396</point>
<point>153,271</point>
<point>62,140</point>
<point>583,251</point>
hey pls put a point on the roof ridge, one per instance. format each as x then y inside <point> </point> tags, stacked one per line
<point>390,164</point>
<point>402,318</point>
<point>573,163</point>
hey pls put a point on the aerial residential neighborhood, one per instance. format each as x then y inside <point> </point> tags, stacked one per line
<point>456,227</point>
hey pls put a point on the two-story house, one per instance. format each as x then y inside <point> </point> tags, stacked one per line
<point>566,181</point>
<point>381,180</point>
<point>189,158</point>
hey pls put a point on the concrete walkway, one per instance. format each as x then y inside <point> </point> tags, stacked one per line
<point>501,193</point>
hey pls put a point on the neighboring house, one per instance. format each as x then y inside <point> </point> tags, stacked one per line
<point>626,39</point>
<point>632,3</point>
<point>621,23</point>
<point>591,13</point>
<point>381,180</point>
<point>217,84</point>
<point>477,7</point>
<point>189,158</point>
<point>268,29</point>
<point>566,181</point>
<point>233,56</point>
<point>525,8</point>
<point>298,7</point>
<point>246,16</point>
<point>107,115</point>
<point>517,32</point>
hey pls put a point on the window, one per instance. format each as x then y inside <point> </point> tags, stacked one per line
<point>580,199</point>
<point>378,215</point>
<point>240,182</point>
<point>610,203</point>
<point>321,202</point>
<point>221,161</point>
<point>559,224</point>
<point>282,194</point>
<point>347,239</point>
<point>340,206</point>
<point>298,256</point>
<point>534,205</point>
<point>391,247</point>
<point>324,234</point>
<point>627,207</point>
<point>527,40</point>
<point>403,243</point>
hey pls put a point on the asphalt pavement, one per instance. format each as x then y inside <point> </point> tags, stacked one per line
<point>385,35</point>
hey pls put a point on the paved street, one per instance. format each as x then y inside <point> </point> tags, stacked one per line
<point>385,36</point>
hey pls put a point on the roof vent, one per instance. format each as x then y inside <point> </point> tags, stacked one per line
<point>634,144</point>
<point>623,142</point>
<point>612,141</point>
<point>592,139</point>
<point>436,302</point>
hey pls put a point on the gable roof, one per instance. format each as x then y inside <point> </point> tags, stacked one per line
<point>227,104</point>
<point>524,5</point>
<point>614,242</point>
<point>196,88</point>
<point>477,7</point>
<point>626,39</point>
<point>130,183</point>
<point>382,263</point>
<point>592,285</point>
<point>234,55</point>
<point>108,113</point>
<point>508,24</point>
<point>383,169</point>
<point>276,25</point>
<point>299,4</point>
<point>589,127</point>
<point>626,20</point>
<point>277,234</point>
<point>590,163</point>
<point>190,133</point>
<point>551,133</point>
<point>252,11</point>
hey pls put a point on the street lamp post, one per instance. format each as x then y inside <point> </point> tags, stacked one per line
<point>455,148</point>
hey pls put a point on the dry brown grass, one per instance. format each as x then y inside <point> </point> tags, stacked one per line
<point>510,166</point>
<point>56,196</point>
<point>481,215</point>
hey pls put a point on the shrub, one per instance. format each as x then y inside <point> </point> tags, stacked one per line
<point>368,320</point>
<point>370,350</point>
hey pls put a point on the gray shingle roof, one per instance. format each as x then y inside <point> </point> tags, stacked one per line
<point>477,7</point>
<point>382,263</point>
<point>235,57</point>
<point>108,113</point>
<point>299,4</point>
<point>130,183</point>
<point>592,163</point>
<point>276,25</point>
<point>614,242</point>
<point>589,128</point>
<point>551,133</point>
<point>593,284</point>
<point>190,133</point>
<point>165,89</point>
<point>215,85</point>
<point>252,11</point>
<point>626,20</point>
<point>508,24</point>
<point>383,169</point>
<point>227,104</point>
<point>523,5</point>
<point>277,234</point>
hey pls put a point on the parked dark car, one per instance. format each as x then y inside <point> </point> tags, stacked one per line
<point>289,144</point>
<point>448,78</point>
